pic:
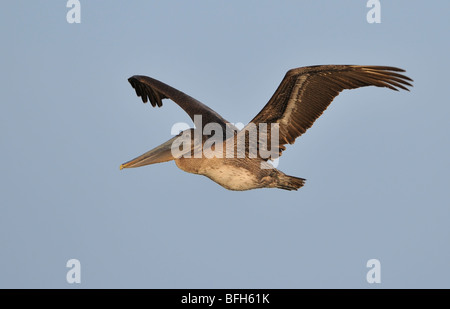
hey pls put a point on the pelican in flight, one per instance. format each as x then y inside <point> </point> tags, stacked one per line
<point>300,99</point>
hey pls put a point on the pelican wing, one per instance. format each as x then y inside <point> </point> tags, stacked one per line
<point>305,93</point>
<point>150,89</point>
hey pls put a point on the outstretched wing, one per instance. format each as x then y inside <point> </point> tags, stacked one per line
<point>305,93</point>
<point>150,89</point>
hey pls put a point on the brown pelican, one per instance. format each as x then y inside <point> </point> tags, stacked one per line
<point>302,96</point>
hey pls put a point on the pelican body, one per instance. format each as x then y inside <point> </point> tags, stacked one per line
<point>300,99</point>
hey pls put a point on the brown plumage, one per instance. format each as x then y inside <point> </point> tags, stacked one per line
<point>305,93</point>
<point>150,89</point>
<point>302,96</point>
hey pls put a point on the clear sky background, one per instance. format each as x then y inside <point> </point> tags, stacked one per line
<point>376,163</point>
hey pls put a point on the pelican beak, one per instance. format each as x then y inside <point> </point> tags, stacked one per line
<point>162,153</point>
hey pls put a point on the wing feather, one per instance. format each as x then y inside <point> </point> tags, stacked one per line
<point>154,91</point>
<point>305,93</point>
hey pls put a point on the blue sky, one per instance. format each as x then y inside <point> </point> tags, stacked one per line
<point>376,162</point>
